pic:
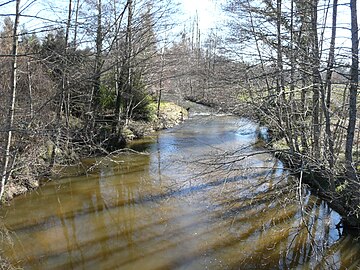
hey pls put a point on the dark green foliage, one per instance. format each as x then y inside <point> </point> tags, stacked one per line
<point>107,97</point>
<point>141,109</point>
<point>145,110</point>
<point>53,50</point>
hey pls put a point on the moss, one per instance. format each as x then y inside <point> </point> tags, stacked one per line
<point>280,144</point>
<point>127,133</point>
<point>340,188</point>
<point>49,149</point>
<point>243,98</point>
<point>170,115</point>
<point>151,110</point>
<point>107,97</point>
<point>75,123</point>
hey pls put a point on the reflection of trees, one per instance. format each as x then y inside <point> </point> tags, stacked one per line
<point>70,234</point>
<point>120,192</point>
<point>242,214</point>
<point>312,240</point>
<point>290,238</point>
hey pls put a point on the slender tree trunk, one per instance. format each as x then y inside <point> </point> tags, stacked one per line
<point>258,50</point>
<point>65,78</point>
<point>329,141</point>
<point>316,82</point>
<point>31,109</point>
<point>64,100</point>
<point>280,76</point>
<point>95,97</point>
<point>12,99</point>
<point>128,92</point>
<point>351,173</point>
<point>119,71</point>
<point>76,23</point>
<point>116,74</point>
<point>68,22</point>
<point>293,110</point>
<point>339,132</point>
<point>160,83</point>
<point>304,138</point>
<point>283,108</point>
<point>303,129</point>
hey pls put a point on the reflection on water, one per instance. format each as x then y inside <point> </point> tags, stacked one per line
<point>193,202</point>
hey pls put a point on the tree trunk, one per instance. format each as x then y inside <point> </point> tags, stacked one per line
<point>95,96</point>
<point>160,83</point>
<point>12,100</point>
<point>76,23</point>
<point>119,70</point>
<point>329,140</point>
<point>65,78</point>
<point>29,73</point>
<point>279,62</point>
<point>283,108</point>
<point>268,88</point>
<point>64,100</point>
<point>350,170</point>
<point>128,88</point>
<point>316,82</point>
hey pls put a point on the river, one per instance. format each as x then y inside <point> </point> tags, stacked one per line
<point>203,195</point>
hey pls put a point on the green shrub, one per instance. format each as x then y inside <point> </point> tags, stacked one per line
<point>107,97</point>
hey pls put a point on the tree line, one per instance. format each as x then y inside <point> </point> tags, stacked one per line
<point>295,64</point>
<point>76,80</point>
<point>108,60</point>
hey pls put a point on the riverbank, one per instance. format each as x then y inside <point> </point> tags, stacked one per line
<point>314,173</point>
<point>318,178</point>
<point>30,178</point>
<point>35,164</point>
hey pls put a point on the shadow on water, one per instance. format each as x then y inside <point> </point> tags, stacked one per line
<point>203,198</point>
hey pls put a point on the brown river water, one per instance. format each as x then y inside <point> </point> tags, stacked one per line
<point>203,195</point>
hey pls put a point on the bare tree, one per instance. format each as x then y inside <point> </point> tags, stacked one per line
<point>316,76</point>
<point>354,73</point>
<point>12,99</point>
<point>326,97</point>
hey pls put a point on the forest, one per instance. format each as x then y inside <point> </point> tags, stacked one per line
<point>73,84</point>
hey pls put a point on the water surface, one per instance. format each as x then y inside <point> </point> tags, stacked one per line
<point>203,195</point>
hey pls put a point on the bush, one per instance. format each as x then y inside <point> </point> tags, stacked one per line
<point>107,97</point>
<point>143,107</point>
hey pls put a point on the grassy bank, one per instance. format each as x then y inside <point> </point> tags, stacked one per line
<point>170,115</point>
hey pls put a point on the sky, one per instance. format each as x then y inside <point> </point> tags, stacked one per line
<point>209,12</point>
